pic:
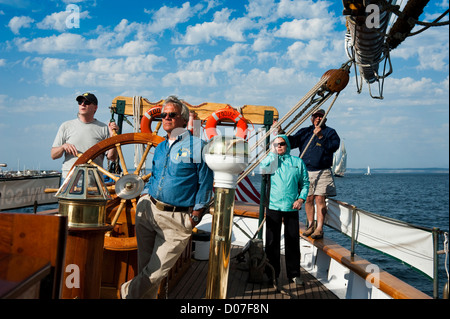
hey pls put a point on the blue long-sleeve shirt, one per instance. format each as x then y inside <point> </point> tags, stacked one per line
<point>180,177</point>
<point>319,155</point>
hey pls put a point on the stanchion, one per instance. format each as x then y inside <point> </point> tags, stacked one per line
<point>227,157</point>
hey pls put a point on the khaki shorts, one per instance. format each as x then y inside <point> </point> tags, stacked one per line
<point>321,183</point>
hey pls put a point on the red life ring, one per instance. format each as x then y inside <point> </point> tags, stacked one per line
<point>226,113</point>
<point>146,121</point>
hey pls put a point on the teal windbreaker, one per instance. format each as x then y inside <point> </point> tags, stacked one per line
<point>289,179</point>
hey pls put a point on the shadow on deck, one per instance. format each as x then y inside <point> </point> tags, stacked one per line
<point>193,284</point>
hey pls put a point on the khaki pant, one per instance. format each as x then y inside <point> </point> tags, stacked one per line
<point>161,237</point>
<point>321,183</point>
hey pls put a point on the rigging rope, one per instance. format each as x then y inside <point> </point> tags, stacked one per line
<point>138,148</point>
<point>332,81</point>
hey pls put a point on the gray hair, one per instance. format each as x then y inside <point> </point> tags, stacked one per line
<point>180,104</point>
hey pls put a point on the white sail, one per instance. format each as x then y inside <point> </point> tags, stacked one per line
<point>368,171</point>
<point>340,161</point>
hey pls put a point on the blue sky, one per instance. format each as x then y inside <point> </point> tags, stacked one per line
<point>259,52</point>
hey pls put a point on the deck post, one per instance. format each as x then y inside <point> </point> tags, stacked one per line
<point>435,263</point>
<point>352,249</point>
<point>219,253</point>
<point>226,157</point>
<point>268,122</point>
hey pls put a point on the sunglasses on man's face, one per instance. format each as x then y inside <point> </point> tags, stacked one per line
<point>171,115</point>
<point>86,102</point>
<point>279,144</point>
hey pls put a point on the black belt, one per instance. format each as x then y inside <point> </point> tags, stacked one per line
<point>168,208</point>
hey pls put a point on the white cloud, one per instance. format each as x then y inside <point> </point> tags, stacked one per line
<point>303,8</point>
<point>277,86</point>
<point>51,68</point>
<point>304,29</point>
<point>322,52</point>
<point>186,52</point>
<point>106,43</point>
<point>430,47</point>
<point>168,18</point>
<point>190,78</point>
<point>34,104</point>
<point>102,72</point>
<point>63,43</point>
<point>17,23</point>
<point>221,27</point>
<point>203,72</point>
<point>57,20</point>
<point>134,48</point>
<point>263,41</point>
<point>2,62</point>
<point>260,8</point>
<point>402,88</point>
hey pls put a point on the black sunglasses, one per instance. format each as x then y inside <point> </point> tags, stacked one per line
<point>280,144</point>
<point>171,115</point>
<point>86,102</point>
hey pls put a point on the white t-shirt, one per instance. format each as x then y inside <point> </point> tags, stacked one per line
<point>83,136</point>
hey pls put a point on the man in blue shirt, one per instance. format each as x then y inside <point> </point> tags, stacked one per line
<point>318,159</point>
<point>174,201</point>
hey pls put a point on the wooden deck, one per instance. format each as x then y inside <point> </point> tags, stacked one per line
<point>193,284</point>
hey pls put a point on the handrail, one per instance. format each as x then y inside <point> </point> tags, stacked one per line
<point>386,282</point>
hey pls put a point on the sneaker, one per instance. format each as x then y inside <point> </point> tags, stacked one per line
<point>297,280</point>
<point>309,231</point>
<point>318,234</point>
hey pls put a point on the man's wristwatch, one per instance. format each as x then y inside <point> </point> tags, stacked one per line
<point>195,218</point>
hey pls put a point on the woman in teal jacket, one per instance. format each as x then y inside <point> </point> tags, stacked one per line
<point>289,185</point>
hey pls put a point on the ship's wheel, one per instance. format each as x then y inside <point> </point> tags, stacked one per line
<point>126,188</point>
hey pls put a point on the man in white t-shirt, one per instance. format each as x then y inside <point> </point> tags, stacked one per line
<point>80,134</point>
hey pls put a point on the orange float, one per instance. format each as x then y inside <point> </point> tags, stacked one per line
<point>226,113</point>
<point>147,118</point>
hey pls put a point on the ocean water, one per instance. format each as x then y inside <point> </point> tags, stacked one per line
<point>418,197</point>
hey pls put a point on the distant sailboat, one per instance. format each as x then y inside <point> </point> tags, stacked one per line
<point>368,171</point>
<point>340,161</point>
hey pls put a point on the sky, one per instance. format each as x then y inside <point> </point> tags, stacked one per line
<point>257,52</point>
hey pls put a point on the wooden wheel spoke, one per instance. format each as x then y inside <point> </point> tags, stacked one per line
<point>143,158</point>
<point>145,178</point>
<point>122,159</point>
<point>104,171</point>
<point>116,141</point>
<point>119,210</point>
<point>134,203</point>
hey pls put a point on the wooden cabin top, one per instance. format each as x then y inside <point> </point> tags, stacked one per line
<point>252,113</point>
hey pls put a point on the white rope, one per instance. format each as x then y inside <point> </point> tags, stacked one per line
<point>138,148</point>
